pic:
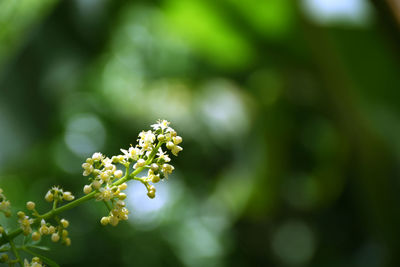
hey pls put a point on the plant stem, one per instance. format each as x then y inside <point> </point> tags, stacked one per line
<point>8,238</point>
<point>15,251</point>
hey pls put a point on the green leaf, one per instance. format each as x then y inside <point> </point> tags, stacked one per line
<point>39,247</point>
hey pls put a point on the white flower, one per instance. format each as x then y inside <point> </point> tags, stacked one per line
<point>118,174</point>
<point>161,124</point>
<point>97,156</point>
<point>105,194</point>
<point>132,153</point>
<point>167,169</point>
<point>68,196</point>
<point>87,189</point>
<point>177,140</point>
<point>163,155</point>
<point>146,140</point>
<point>88,168</point>
<point>176,149</point>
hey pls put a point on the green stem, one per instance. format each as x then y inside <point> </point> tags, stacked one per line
<point>16,253</point>
<point>50,214</point>
<point>55,211</point>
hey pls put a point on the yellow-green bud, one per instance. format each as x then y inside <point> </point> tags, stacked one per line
<point>123,186</point>
<point>44,230</point>
<point>104,176</point>
<point>154,167</point>
<point>121,196</point>
<point>87,189</point>
<point>68,196</point>
<point>161,137</point>
<point>35,236</point>
<point>151,193</point>
<point>52,229</point>
<point>118,174</point>
<point>30,205</point>
<point>64,233</point>
<point>104,220</point>
<point>96,184</point>
<point>113,220</point>
<point>64,223</point>
<point>170,145</point>
<point>20,214</point>
<point>177,140</point>
<point>49,196</point>
<point>140,163</point>
<point>55,237</point>
<point>155,179</point>
<point>68,241</point>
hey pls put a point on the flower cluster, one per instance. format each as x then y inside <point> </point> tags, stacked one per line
<point>36,262</point>
<point>57,195</point>
<point>24,222</point>
<point>55,231</point>
<point>4,204</point>
<point>148,154</point>
<point>147,162</point>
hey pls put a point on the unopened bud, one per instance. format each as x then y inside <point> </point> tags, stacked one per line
<point>30,205</point>
<point>118,174</point>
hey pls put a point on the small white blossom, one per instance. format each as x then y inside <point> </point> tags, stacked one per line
<point>88,168</point>
<point>161,124</point>
<point>97,156</point>
<point>163,155</point>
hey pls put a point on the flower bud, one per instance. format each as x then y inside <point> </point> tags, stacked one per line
<point>49,196</point>
<point>68,241</point>
<point>105,175</point>
<point>121,196</point>
<point>35,236</point>
<point>55,237</point>
<point>96,184</point>
<point>170,145</point>
<point>30,205</point>
<point>177,140</point>
<point>152,191</point>
<point>154,167</point>
<point>113,220</point>
<point>140,163</point>
<point>123,186</point>
<point>104,220</point>
<point>161,137</point>
<point>87,189</point>
<point>52,229</point>
<point>118,174</point>
<point>36,260</point>
<point>64,233</point>
<point>44,230</point>
<point>151,194</point>
<point>155,179</point>
<point>97,156</point>
<point>68,196</point>
<point>64,223</point>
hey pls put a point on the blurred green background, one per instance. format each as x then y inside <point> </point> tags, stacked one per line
<point>289,111</point>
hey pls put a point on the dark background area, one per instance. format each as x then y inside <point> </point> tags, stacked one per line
<point>289,112</point>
